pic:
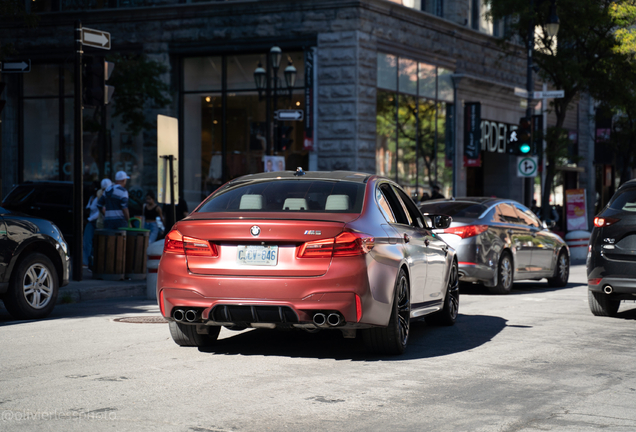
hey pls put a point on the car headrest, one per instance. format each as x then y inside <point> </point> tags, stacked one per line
<point>295,204</point>
<point>337,202</point>
<point>251,202</point>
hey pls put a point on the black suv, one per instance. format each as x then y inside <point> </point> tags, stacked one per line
<point>611,257</point>
<point>34,263</point>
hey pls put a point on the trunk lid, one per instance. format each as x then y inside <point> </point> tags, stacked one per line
<point>277,242</point>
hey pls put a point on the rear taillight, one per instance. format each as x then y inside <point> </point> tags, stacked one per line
<point>178,244</point>
<point>594,281</point>
<point>466,230</point>
<point>345,244</point>
<point>600,222</point>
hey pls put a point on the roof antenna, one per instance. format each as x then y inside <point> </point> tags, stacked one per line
<point>299,172</point>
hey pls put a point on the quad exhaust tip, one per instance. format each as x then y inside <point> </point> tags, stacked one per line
<point>607,289</point>
<point>191,315</point>
<point>320,319</point>
<point>178,315</point>
<point>333,319</point>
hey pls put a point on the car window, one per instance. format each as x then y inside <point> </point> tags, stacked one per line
<point>413,212</point>
<point>19,195</point>
<point>624,200</point>
<point>456,209</point>
<point>55,196</point>
<point>302,195</point>
<point>384,206</point>
<point>395,204</point>
<point>527,217</point>
<point>506,214</point>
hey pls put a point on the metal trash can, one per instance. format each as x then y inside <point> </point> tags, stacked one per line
<point>109,256</point>
<point>136,245</point>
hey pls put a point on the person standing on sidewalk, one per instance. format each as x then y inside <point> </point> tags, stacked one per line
<point>93,216</point>
<point>114,203</point>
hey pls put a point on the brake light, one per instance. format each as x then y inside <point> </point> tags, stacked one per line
<point>179,244</point>
<point>358,308</point>
<point>600,222</point>
<point>594,281</point>
<point>162,306</point>
<point>345,244</point>
<point>173,243</point>
<point>466,230</point>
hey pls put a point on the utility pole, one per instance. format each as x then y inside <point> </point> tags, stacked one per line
<point>78,160</point>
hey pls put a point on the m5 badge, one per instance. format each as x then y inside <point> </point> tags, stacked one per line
<point>312,232</point>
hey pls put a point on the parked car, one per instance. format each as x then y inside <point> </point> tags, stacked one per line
<point>52,200</point>
<point>34,263</point>
<point>611,273</point>
<point>322,250</point>
<point>500,241</point>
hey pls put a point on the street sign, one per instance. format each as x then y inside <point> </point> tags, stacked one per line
<point>550,94</point>
<point>95,38</point>
<point>289,115</point>
<point>527,166</point>
<point>16,66</point>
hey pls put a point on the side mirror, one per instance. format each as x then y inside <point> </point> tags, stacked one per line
<point>437,221</point>
<point>442,221</point>
<point>549,224</point>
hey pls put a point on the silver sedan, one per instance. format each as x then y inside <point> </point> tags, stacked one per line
<point>500,241</point>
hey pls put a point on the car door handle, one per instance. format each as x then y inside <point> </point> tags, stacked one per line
<point>407,238</point>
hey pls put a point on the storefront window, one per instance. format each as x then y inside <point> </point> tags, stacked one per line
<point>413,144</point>
<point>250,139</point>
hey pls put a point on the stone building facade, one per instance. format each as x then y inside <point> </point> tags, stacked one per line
<point>411,129</point>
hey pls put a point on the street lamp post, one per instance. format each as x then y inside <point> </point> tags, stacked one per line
<point>262,84</point>
<point>552,28</point>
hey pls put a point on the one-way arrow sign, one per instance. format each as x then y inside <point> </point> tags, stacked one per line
<point>289,115</point>
<point>96,38</point>
<point>16,66</point>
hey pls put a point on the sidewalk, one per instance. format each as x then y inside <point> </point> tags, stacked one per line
<point>95,289</point>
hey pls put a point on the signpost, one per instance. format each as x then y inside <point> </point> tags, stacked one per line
<point>167,170</point>
<point>547,94</point>
<point>289,115</point>
<point>527,166</point>
<point>95,38</point>
<point>16,66</point>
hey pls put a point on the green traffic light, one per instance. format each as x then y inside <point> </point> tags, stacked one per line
<point>524,148</point>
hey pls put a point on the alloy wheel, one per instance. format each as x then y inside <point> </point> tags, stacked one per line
<point>37,286</point>
<point>404,311</point>
<point>564,269</point>
<point>506,272</point>
<point>453,292</point>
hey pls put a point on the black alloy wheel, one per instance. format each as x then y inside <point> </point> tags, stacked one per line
<point>393,339</point>
<point>561,271</point>
<point>448,314</point>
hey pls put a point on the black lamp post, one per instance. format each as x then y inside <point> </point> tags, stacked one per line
<point>552,28</point>
<point>261,81</point>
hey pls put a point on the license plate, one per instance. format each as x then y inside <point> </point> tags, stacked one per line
<point>257,255</point>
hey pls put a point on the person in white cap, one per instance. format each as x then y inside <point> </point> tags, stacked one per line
<point>114,203</point>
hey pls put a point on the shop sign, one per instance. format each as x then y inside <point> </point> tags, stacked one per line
<point>472,130</point>
<point>308,142</point>
<point>494,136</point>
<point>576,211</point>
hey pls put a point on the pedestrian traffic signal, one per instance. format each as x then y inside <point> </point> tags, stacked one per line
<point>96,72</point>
<point>520,139</point>
<point>285,139</point>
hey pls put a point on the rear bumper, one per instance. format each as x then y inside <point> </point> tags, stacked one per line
<point>335,291</point>
<point>619,285</point>
<point>473,272</point>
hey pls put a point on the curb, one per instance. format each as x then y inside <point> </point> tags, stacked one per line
<point>77,292</point>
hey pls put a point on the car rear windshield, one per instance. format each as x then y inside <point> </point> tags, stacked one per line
<point>321,196</point>
<point>625,201</point>
<point>455,209</point>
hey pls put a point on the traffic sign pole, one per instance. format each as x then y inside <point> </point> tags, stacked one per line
<point>78,147</point>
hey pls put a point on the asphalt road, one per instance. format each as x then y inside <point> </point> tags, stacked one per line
<point>534,360</point>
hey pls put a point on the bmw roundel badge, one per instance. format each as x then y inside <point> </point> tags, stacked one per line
<point>255,230</point>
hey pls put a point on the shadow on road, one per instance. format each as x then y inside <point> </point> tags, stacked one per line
<point>470,331</point>
<point>524,287</point>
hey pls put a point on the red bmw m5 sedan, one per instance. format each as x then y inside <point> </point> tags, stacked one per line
<point>310,250</point>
